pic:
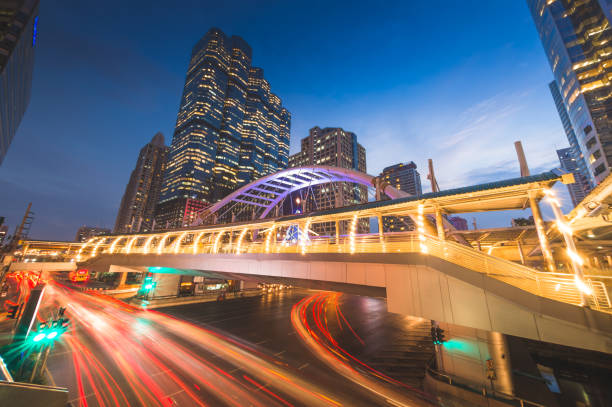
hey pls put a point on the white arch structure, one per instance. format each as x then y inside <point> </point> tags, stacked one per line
<point>269,191</point>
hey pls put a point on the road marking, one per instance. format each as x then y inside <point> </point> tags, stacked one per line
<point>280,353</point>
<point>260,342</point>
<point>175,393</point>
<point>291,333</point>
<point>234,370</point>
<point>303,366</point>
<point>161,372</point>
<point>82,398</point>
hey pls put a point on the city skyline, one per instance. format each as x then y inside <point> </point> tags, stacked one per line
<point>328,95</point>
<point>307,203</point>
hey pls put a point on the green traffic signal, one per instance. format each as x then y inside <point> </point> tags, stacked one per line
<point>39,337</point>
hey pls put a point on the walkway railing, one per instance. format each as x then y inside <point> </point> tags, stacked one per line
<point>556,286</point>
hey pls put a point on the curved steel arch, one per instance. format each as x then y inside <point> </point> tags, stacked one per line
<point>269,191</point>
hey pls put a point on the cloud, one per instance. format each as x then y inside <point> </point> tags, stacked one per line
<point>468,146</point>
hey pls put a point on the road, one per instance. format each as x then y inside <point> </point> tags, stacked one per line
<point>241,352</point>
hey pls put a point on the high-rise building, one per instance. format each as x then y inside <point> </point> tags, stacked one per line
<point>179,213</point>
<point>582,173</point>
<point>230,129</point>
<point>458,222</point>
<point>334,147</point>
<point>18,30</point>
<point>137,209</point>
<point>580,188</point>
<point>404,177</point>
<point>87,232</point>
<point>576,36</point>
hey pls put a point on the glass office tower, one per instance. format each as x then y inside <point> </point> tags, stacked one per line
<point>577,39</point>
<point>581,172</point>
<point>230,130</point>
<point>579,189</point>
<point>137,208</point>
<point>18,31</point>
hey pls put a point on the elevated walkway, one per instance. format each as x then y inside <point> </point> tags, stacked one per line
<point>420,276</point>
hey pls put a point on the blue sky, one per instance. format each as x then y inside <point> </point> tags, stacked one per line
<point>455,81</point>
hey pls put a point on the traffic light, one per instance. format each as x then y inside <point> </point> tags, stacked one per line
<point>51,331</point>
<point>147,285</point>
<point>437,335</point>
<point>12,311</point>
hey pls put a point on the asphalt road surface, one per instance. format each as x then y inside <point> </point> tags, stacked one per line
<point>287,348</point>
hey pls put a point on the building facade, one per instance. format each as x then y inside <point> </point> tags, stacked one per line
<point>230,129</point>
<point>137,208</point>
<point>576,36</point>
<point>405,177</point>
<point>580,188</point>
<point>87,232</point>
<point>458,222</point>
<point>582,173</point>
<point>18,31</point>
<point>178,213</point>
<point>335,147</point>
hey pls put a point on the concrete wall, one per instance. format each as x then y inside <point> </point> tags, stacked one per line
<point>167,284</point>
<point>416,285</point>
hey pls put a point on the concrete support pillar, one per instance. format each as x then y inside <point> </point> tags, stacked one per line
<point>539,224</point>
<point>440,224</point>
<point>378,184</point>
<point>122,279</point>
<point>520,251</point>
<point>500,362</point>
<point>337,231</point>
<point>609,259</point>
<point>381,232</point>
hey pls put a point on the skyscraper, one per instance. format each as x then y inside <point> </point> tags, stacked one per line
<point>580,188</point>
<point>87,232</point>
<point>458,222</point>
<point>581,173</point>
<point>334,147</point>
<point>230,129</point>
<point>137,209</point>
<point>576,36</point>
<point>18,30</point>
<point>404,177</point>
